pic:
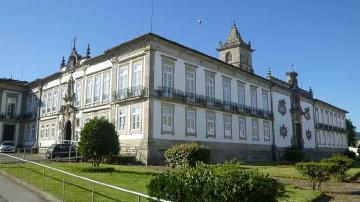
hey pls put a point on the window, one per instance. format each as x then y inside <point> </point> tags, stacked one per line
<point>190,122</point>
<point>333,138</point>
<point>53,130</point>
<point>328,137</point>
<point>27,133</point>
<point>331,119</point>
<point>97,88</point>
<point>47,131</point>
<point>137,74</point>
<point>106,87</point>
<point>265,99</point>
<point>42,132</point>
<point>317,114</point>
<point>322,116</point>
<point>167,77</point>
<point>227,126</point>
<point>253,91</point>
<point>210,86</point>
<point>33,131</point>
<point>123,81</point>
<point>241,93</point>
<point>242,127</point>
<point>55,99</point>
<point>266,131</point>
<point>43,104</point>
<point>136,117</point>
<point>228,57</point>
<point>190,82</point>
<point>78,93</point>
<point>318,137</point>
<point>167,118</point>
<point>89,89</point>
<point>122,118</point>
<point>226,90</point>
<point>255,129</point>
<point>323,137</point>
<point>327,117</point>
<point>63,92</point>
<point>49,102</point>
<point>210,124</point>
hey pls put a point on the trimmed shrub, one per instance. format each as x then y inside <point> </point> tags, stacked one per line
<point>318,172</point>
<point>349,153</point>
<point>227,183</point>
<point>186,155</point>
<point>343,162</point>
<point>294,154</point>
<point>121,159</point>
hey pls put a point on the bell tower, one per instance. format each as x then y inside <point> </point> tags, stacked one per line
<point>235,51</point>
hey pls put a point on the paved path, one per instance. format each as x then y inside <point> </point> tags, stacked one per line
<point>13,192</point>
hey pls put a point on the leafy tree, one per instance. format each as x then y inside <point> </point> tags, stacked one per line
<point>98,140</point>
<point>350,131</point>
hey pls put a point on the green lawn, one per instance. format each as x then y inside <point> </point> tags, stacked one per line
<point>135,178</point>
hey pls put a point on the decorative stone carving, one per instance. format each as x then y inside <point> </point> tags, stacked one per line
<point>283,131</point>
<point>282,107</point>
<point>308,134</point>
<point>307,113</point>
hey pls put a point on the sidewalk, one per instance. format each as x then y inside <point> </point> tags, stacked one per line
<point>13,192</point>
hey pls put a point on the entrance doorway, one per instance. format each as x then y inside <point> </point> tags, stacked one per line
<point>68,131</point>
<point>8,134</point>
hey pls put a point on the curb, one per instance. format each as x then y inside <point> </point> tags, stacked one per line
<point>37,191</point>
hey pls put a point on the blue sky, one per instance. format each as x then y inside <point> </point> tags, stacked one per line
<point>320,37</point>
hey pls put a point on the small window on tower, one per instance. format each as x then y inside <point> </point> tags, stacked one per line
<point>228,57</point>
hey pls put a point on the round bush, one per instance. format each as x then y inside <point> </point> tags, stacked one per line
<point>186,154</point>
<point>227,183</point>
<point>344,163</point>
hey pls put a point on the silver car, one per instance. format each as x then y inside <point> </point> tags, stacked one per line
<point>7,146</point>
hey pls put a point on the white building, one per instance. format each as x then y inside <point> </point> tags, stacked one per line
<point>159,93</point>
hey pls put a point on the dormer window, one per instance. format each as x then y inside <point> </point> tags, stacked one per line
<point>228,57</point>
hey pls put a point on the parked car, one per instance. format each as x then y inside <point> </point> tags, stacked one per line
<point>7,146</point>
<point>57,151</point>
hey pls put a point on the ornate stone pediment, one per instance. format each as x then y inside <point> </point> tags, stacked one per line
<point>282,107</point>
<point>67,109</point>
<point>307,113</point>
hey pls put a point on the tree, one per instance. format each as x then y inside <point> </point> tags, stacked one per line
<point>98,140</point>
<point>350,132</point>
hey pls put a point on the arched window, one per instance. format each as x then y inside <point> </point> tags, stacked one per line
<point>228,57</point>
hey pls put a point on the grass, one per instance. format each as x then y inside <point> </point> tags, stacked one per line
<point>136,178</point>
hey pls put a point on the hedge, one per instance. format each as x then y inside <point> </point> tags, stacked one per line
<point>344,163</point>
<point>186,155</point>
<point>226,183</point>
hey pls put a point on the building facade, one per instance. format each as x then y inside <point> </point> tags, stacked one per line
<point>158,92</point>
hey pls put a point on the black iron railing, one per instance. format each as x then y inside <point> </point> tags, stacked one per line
<point>20,117</point>
<point>131,92</point>
<point>329,128</point>
<point>210,102</point>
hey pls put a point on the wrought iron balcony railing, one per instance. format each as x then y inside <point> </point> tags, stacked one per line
<point>20,117</point>
<point>210,102</point>
<point>131,92</point>
<point>323,126</point>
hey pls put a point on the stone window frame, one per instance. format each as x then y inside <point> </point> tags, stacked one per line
<point>103,98</point>
<point>240,83</point>
<point>186,117</point>
<point>133,63</point>
<point>212,75</point>
<point>191,69</point>
<point>269,130</point>
<point>224,80</point>
<point>167,132</point>
<point>141,112</point>
<point>78,87</point>
<point>265,92</point>
<point>252,87</point>
<point>97,75</point>
<point>255,137</point>
<point>231,131</point>
<point>123,66</point>
<point>118,109</point>
<point>208,112</point>
<point>242,137</point>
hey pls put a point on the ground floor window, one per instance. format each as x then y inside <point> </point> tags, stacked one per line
<point>266,131</point>
<point>255,129</point>
<point>122,118</point>
<point>136,117</point>
<point>210,124</point>
<point>190,121</point>
<point>242,127</point>
<point>227,126</point>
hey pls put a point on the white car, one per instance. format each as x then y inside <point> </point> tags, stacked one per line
<point>7,146</point>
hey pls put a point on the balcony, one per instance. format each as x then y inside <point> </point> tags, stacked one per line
<point>14,117</point>
<point>209,102</point>
<point>327,127</point>
<point>131,92</point>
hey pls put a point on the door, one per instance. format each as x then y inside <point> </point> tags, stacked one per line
<point>68,131</point>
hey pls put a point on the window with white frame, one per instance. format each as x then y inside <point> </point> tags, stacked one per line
<point>167,77</point>
<point>317,114</point>
<point>266,131</point>
<point>190,75</point>
<point>136,112</point>
<point>242,127</point>
<point>323,137</point>
<point>190,121</point>
<point>53,130</point>
<point>106,87</point>
<point>265,99</point>
<point>318,137</point>
<point>123,80</point>
<point>328,137</point>
<point>55,99</point>
<point>333,138</point>
<point>63,93</point>
<point>210,124</point>
<point>97,80</point>
<point>89,90</point>
<point>227,126</point>
<point>33,132</point>
<point>327,117</point>
<point>43,104</point>
<point>49,102</point>
<point>122,112</point>
<point>241,93</point>
<point>322,116</point>
<point>253,93</point>
<point>209,86</point>
<point>78,93</point>
<point>136,80</point>
<point>255,129</point>
<point>167,112</point>
<point>226,90</point>
<point>42,132</point>
<point>331,119</point>
<point>47,130</point>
